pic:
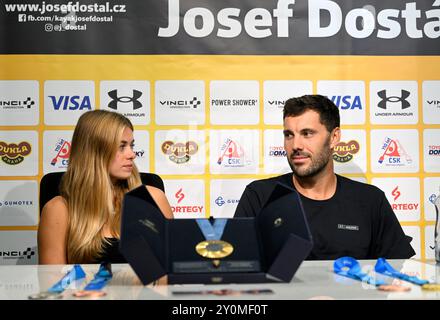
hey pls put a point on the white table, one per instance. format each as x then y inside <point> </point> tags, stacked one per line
<point>313,280</point>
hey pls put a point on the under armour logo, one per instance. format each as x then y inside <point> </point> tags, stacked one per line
<point>195,102</point>
<point>115,99</point>
<point>402,99</point>
<point>395,193</point>
<point>179,195</point>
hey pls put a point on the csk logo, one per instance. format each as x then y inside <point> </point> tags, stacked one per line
<point>231,154</point>
<point>394,154</point>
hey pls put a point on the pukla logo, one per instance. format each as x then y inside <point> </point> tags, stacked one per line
<point>347,102</point>
<point>434,150</point>
<point>182,104</point>
<point>16,254</point>
<point>179,152</point>
<point>17,104</point>
<point>220,201</point>
<point>180,195</point>
<point>393,153</point>
<point>394,102</point>
<point>277,152</point>
<point>401,206</point>
<point>71,102</point>
<point>12,153</point>
<point>234,102</point>
<point>62,149</point>
<point>232,154</point>
<point>133,100</point>
<point>325,19</point>
<point>344,152</point>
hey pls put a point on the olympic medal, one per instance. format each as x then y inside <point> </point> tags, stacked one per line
<point>45,295</point>
<point>89,293</point>
<point>431,287</point>
<point>393,288</point>
<point>214,249</point>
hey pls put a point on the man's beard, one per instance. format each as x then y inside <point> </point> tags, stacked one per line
<point>317,165</point>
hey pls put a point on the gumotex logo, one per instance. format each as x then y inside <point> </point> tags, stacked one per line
<point>13,154</point>
<point>179,152</point>
<point>393,153</point>
<point>220,201</point>
<point>231,154</point>
<point>16,254</point>
<point>344,152</point>
<point>62,149</point>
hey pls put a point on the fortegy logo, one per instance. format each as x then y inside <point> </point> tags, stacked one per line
<point>201,22</point>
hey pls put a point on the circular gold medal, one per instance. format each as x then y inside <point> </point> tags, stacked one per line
<point>431,286</point>
<point>214,249</point>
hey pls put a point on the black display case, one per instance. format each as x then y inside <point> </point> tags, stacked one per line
<point>268,248</point>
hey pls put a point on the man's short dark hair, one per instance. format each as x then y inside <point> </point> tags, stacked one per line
<point>328,111</point>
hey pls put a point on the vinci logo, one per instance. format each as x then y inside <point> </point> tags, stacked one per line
<point>393,153</point>
<point>15,254</point>
<point>62,149</point>
<point>344,152</point>
<point>71,102</point>
<point>231,154</point>
<point>179,152</point>
<point>347,102</point>
<point>13,154</point>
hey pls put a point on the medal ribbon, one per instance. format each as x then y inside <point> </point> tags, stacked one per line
<point>100,279</point>
<point>75,273</point>
<point>212,232</point>
<point>383,267</point>
<point>350,267</point>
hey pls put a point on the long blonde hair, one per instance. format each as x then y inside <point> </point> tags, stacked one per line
<point>92,199</point>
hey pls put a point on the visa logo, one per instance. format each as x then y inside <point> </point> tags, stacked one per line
<point>347,102</point>
<point>71,102</point>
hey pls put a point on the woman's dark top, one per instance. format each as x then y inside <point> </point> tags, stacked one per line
<point>111,252</point>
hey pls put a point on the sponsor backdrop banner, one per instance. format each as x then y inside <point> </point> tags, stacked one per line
<point>204,83</point>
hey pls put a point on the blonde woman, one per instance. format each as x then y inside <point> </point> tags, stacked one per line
<point>82,225</point>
